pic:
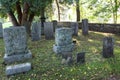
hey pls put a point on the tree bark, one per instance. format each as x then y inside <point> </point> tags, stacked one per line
<point>25,13</point>
<point>42,20</point>
<point>58,7</point>
<point>77,10</point>
<point>12,18</point>
<point>19,12</point>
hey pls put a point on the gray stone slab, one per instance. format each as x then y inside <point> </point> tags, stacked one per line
<point>15,69</point>
<point>108,47</point>
<point>54,25</point>
<point>85,27</point>
<point>1,30</point>
<point>17,57</point>
<point>48,30</point>
<point>63,36</point>
<point>36,31</point>
<point>74,26</point>
<point>15,40</point>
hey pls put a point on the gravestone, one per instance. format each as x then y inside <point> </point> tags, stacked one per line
<point>36,31</point>
<point>85,27</point>
<point>74,26</point>
<point>15,48</point>
<point>1,30</point>
<point>108,47</point>
<point>48,30</point>
<point>63,40</point>
<point>80,57</point>
<point>54,25</point>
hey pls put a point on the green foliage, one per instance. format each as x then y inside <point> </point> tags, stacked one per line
<point>47,65</point>
<point>35,5</point>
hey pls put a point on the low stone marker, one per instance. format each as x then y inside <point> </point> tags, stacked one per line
<point>10,70</point>
<point>15,39</point>
<point>80,57</point>
<point>48,30</point>
<point>36,31</point>
<point>85,27</point>
<point>74,26</point>
<point>1,30</point>
<point>63,40</point>
<point>108,47</point>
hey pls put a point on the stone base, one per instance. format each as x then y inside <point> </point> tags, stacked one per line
<point>17,57</point>
<point>60,49</point>
<point>10,70</point>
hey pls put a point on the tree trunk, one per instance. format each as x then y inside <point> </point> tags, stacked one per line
<point>77,10</point>
<point>12,18</point>
<point>25,13</point>
<point>28,23</point>
<point>42,20</point>
<point>19,12</point>
<point>58,7</point>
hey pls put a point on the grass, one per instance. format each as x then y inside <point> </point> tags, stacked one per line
<point>47,65</point>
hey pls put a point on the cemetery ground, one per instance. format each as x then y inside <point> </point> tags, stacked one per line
<point>47,65</point>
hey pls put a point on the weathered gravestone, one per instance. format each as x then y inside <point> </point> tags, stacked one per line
<point>1,30</point>
<point>74,26</point>
<point>85,27</point>
<point>15,48</point>
<point>54,25</point>
<point>63,40</point>
<point>36,31</point>
<point>48,30</point>
<point>108,47</point>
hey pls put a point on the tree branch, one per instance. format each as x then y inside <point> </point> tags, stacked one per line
<point>19,12</point>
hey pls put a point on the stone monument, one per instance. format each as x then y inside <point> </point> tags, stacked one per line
<point>16,49</point>
<point>74,26</point>
<point>36,31</point>
<point>108,47</point>
<point>48,30</point>
<point>63,40</point>
<point>85,27</point>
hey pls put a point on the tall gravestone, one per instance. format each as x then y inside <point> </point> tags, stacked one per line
<point>1,30</point>
<point>36,31</point>
<point>85,27</point>
<point>48,30</point>
<point>54,25</point>
<point>63,40</point>
<point>16,49</point>
<point>74,26</point>
<point>108,47</point>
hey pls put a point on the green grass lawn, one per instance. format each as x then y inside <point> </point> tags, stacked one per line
<point>47,65</point>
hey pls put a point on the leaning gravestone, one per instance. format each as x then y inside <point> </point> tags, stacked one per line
<point>108,47</point>
<point>16,49</point>
<point>36,31</point>
<point>85,27</point>
<point>63,40</point>
<point>74,26</point>
<point>48,30</point>
<point>1,30</point>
